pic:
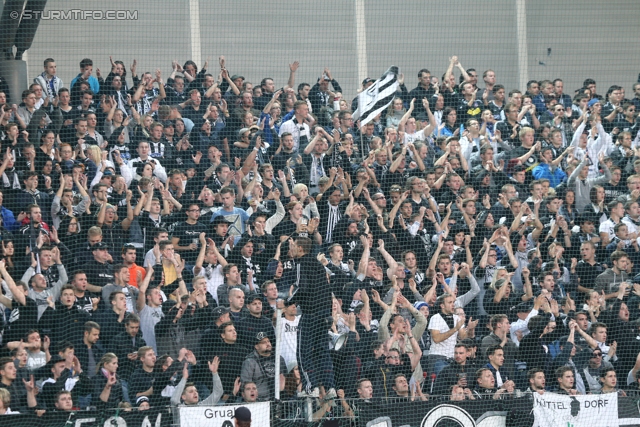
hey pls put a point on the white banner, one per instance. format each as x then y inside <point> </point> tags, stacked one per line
<point>559,410</point>
<point>215,416</point>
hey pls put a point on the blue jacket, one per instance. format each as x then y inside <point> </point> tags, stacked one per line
<point>538,101</point>
<point>555,177</point>
<point>8,219</point>
<point>93,83</point>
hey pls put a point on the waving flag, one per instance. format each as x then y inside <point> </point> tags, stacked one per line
<point>377,97</point>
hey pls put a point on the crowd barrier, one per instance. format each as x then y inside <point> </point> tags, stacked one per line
<point>528,410</point>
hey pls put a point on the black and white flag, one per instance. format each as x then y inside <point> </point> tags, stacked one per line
<point>377,97</point>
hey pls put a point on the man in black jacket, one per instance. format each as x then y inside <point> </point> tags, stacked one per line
<point>89,351</point>
<point>111,320</point>
<point>64,373</point>
<point>457,373</point>
<point>320,95</point>
<point>313,295</point>
<point>254,322</point>
<point>126,344</point>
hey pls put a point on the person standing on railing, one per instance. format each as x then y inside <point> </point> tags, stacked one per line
<point>313,295</point>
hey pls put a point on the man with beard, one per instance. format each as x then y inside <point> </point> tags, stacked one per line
<point>445,328</point>
<point>259,368</point>
<point>456,373</point>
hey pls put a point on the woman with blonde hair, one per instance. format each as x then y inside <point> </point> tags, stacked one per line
<point>142,130</point>
<point>107,388</point>
<point>5,401</point>
<point>92,158</point>
<point>301,192</point>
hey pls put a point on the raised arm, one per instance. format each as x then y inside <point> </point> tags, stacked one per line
<point>142,290</point>
<point>406,116</point>
<point>392,263</point>
<point>18,293</point>
<point>292,74</point>
<point>396,163</point>
<point>274,98</point>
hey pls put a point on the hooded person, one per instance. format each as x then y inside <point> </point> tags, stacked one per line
<point>534,347</point>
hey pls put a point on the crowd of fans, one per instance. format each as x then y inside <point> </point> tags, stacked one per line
<point>466,244</point>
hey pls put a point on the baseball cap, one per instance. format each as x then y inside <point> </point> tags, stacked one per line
<point>237,76</point>
<point>367,80</point>
<point>593,102</point>
<point>242,414</point>
<point>51,363</point>
<point>523,307</point>
<point>260,336</point>
<point>99,245</point>
<point>251,298</point>
<point>220,220</point>
<point>242,132</point>
<point>218,312</point>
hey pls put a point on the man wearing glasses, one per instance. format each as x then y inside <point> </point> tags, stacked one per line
<point>591,372</point>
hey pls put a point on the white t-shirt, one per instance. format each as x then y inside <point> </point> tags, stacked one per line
<point>607,227</point>
<point>289,341</point>
<point>214,277</point>
<point>446,347</point>
<point>413,137</point>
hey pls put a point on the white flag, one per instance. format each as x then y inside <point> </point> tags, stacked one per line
<point>377,97</point>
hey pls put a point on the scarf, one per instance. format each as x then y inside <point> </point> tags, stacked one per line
<point>448,319</point>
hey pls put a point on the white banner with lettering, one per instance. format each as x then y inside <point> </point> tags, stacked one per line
<point>222,416</point>
<point>559,410</point>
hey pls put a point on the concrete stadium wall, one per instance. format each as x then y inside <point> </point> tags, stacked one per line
<point>589,38</point>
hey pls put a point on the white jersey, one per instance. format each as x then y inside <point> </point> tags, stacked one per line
<point>289,341</point>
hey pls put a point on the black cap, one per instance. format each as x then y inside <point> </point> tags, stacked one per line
<point>51,363</point>
<point>251,298</point>
<point>367,80</point>
<point>242,414</point>
<point>99,245</point>
<point>189,164</point>
<point>523,307</point>
<point>220,219</point>
<point>168,305</point>
<point>218,312</point>
<point>260,336</point>
<point>168,123</point>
